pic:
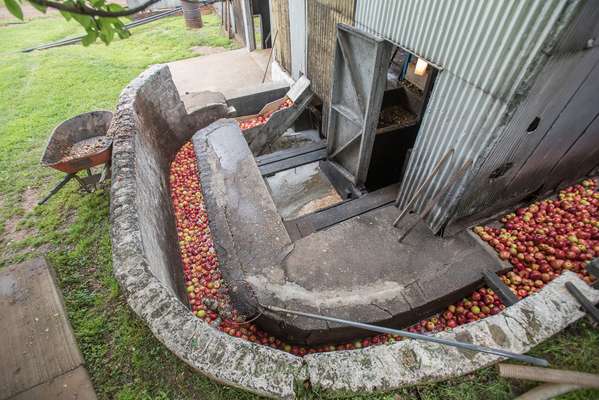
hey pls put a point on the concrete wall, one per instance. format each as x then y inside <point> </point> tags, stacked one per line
<point>149,125</point>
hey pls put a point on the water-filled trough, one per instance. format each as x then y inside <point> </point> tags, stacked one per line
<point>150,126</point>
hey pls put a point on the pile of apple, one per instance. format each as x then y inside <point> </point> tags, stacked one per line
<point>261,119</point>
<point>548,237</point>
<point>205,288</point>
<point>480,304</point>
<point>540,241</point>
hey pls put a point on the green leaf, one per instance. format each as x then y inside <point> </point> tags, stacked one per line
<point>67,15</point>
<point>113,7</point>
<point>106,30</point>
<point>85,20</point>
<point>39,7</point>
<point>97,3</point>
<point>14,8</point>
<point>89,38</point>
<point>123,33</point>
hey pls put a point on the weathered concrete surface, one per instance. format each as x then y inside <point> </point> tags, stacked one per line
<point>225,72</point>
<point>149,126</point>
<point>355,269</point>
<point>37,345</point>
<point>72,385</point>
<point>301,190</point>
<point>517,329</point>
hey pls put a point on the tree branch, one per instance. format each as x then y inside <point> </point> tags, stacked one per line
<point>86,10</point>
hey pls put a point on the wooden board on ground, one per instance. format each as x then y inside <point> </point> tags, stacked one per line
<point>39,351</point>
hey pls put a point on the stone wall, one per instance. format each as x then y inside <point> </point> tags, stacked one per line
<point>149,126</point>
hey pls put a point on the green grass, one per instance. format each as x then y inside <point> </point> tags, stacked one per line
<point>37,91</point>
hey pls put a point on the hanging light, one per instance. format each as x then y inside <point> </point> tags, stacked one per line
<point>420,67</point>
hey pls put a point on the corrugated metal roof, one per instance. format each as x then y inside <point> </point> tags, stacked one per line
<point>488,50</point>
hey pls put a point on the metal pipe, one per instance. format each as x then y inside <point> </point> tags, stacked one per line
<point>374,328</point>
<point>274,42</point>
<point>77,39</point>
<point>421,187</point>
<point>454,179</point>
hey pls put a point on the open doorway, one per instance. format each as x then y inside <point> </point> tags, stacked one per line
<point>261,22</point>
<point>407,89</point>
<point>378,99</point>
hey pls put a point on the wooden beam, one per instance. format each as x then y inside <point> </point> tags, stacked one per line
<point>293,162</point>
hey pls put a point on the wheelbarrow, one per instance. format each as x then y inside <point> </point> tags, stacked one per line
<point>78,144</point>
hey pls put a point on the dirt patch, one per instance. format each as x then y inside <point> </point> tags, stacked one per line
<point>207,50</point>
<point>29,199</point>
<point>12,233</point>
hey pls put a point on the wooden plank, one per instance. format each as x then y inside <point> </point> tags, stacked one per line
<point>37,341</point>
<point>278,123</point>
<point>322,219</point>
<point>284,154</point>
<point>505,294</point>
<point>288,163</point>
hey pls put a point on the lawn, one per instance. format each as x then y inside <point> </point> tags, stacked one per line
<point>39,90</point>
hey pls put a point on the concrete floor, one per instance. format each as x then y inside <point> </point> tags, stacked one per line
<point>39,357</point>
<point>225,72</point>
<point>302,190</point>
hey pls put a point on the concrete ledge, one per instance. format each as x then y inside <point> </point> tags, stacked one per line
<point>518,328</point>
<point>150,124</point>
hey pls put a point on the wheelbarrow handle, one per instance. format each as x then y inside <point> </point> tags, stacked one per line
<point>59,186</point>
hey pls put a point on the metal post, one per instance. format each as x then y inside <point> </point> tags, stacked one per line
<point>421,187</point>
<point>374,328</point>
<point>274,42</point>
<point>435,199</point>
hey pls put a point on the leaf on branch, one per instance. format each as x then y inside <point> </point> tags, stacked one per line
<point>15,8</point>
<point>97,3</point>
<point>106,30</point>
<point>113,7</point>
<point>85,20</point>
<point>67,15</point>
<point>39,7</point>
<point>89,38</point>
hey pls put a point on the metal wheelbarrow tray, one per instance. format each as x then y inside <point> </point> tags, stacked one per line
<point>77,144</point>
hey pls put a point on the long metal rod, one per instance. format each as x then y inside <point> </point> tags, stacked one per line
<point>421,187</point>
<point>429,206</point>
<point>274,42</point>
<point>77,39</point>
<point>374,328</point>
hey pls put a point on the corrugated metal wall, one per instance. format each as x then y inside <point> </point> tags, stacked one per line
<point>565,145</point>
<point>280,14</point>
<point>323,17</point>
<point>490,52</point>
